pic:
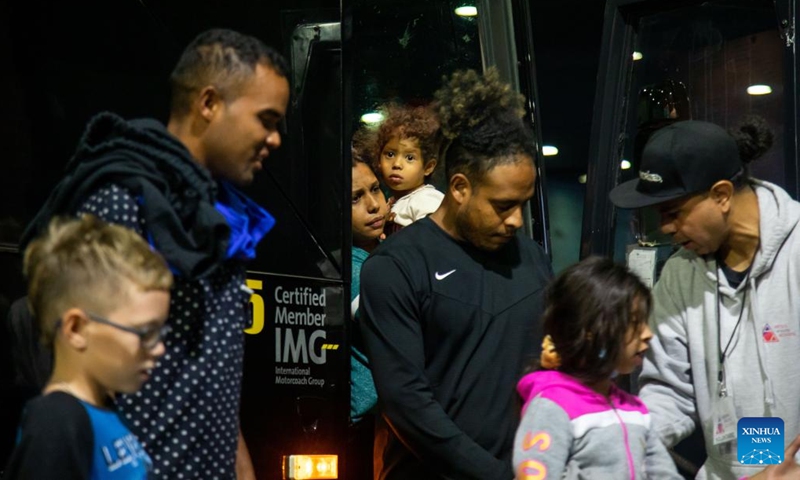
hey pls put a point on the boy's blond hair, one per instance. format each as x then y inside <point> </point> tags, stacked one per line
<point>87,263</point>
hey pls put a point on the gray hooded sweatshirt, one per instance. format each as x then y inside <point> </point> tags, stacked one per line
<point>762,367</point>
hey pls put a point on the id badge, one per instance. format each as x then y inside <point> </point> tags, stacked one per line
<point>724,416</point>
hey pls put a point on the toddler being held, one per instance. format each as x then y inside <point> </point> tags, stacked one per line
<point>406,148</point>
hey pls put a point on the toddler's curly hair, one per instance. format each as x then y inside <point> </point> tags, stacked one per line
<point>407,121</point>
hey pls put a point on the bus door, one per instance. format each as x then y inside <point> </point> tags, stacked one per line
<point>666,61</point>
<point>295,396</point>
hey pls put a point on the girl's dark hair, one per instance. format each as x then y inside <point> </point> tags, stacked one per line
<point>589,309</point>
<point>754,137</point>
<point>481,120</point>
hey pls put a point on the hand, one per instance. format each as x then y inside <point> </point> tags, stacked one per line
<point>788,470</point>
<point>244,465</point>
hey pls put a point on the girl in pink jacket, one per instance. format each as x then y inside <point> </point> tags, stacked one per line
<point>576,423</point>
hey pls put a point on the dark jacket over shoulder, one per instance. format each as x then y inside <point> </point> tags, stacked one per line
<point>448,330</point>
<point>178,195</point>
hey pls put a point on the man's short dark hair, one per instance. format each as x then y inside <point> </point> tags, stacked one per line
<point>222,58</point>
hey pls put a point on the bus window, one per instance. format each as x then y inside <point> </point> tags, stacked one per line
<point>302,187</point>
<point>401,54</point>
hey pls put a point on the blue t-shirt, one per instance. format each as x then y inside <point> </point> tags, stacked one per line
<point>62,437</point>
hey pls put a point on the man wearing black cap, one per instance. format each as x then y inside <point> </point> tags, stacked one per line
<point>727,310</point>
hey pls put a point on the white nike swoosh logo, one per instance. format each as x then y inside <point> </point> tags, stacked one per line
<point>442,276</point>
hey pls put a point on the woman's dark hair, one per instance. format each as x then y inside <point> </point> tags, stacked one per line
<point>589,309</point>
<point>481,120</point>
<point>360,147</point>
<point>753,137</point>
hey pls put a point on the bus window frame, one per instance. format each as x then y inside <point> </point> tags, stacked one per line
<point>505,30</point>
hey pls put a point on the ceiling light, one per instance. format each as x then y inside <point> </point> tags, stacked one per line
<point>466,11</point>
<point>625,165</point>
<point>637,56</point>
<point>549,150</point>
<point>371,118</point>
<point>759,89</point>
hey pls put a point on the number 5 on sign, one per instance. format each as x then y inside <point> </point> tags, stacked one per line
<point>258,307</point>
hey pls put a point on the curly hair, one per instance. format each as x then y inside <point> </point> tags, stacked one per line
<point>481,121</point>
<point>405,122</point>
<point>222,58</point>
<point>589,310</point>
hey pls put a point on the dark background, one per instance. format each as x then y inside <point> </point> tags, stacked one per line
<point>567,38</point>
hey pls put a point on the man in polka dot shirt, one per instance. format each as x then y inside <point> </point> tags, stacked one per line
<point>175,185</point>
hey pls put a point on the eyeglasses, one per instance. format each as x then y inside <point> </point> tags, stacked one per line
<point>149,337</point>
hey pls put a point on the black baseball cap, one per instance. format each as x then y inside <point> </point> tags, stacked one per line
<point>682,158</point>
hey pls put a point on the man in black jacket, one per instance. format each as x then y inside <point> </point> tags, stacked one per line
<point>451,303</point>
<point>175,186</point>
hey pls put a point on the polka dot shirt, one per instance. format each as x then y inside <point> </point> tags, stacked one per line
<point>187,414</point>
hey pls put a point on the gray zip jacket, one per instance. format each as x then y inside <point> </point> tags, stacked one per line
<point>570,432</point>
<point>679,375</point>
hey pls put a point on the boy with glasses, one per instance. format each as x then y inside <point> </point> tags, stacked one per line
<point>101,297</point>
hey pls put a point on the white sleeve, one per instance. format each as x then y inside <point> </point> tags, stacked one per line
<point>424,203</point>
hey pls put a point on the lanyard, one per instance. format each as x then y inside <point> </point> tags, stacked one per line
<point>723,391</point>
